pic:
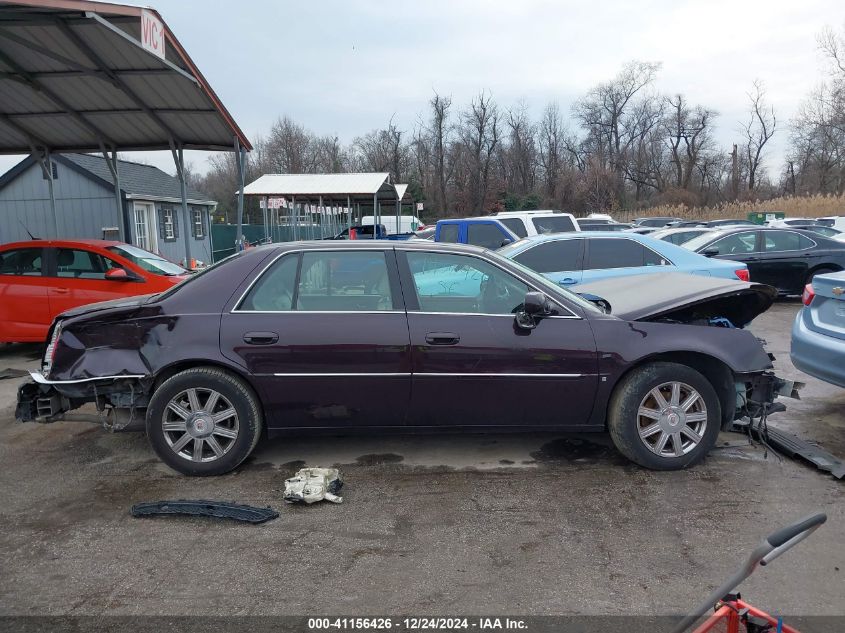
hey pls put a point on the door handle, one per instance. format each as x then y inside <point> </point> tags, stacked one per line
<point>566,281</point>
<point>442,338</point>
<point>61,291</point>
<point>260,338</point>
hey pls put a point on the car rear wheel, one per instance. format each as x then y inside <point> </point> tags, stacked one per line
<point>203,421</point>
<point>664,416</point>
<point>819,271</point>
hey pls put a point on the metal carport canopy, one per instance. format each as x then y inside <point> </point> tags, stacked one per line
<point>79,76</point>
<point>74,76</point>
<point>358,187</point>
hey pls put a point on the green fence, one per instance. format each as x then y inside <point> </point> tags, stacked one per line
<point>223,236</point>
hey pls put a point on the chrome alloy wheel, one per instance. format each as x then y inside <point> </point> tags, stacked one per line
<point>200,425</point>
<point>672,419</point>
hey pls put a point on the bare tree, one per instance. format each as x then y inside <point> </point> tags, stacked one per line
<point>759,129</point>
<point>480,135</point>
<point>384,150</point>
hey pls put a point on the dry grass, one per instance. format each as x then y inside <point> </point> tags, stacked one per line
<point>798,206</point>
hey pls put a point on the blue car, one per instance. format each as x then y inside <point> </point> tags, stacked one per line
<point>573,258</point>
<point>818,332</point>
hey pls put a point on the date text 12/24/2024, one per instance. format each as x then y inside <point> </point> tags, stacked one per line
<point>416,624</point>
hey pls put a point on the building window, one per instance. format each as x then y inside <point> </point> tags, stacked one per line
<point>198,225</point>
<point>169,233</point>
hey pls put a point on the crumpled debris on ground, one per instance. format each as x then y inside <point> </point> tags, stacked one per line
<point>310,485</point>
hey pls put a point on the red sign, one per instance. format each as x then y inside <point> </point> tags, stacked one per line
<point>152,33</point>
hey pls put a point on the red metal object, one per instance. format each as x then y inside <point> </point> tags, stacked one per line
<point>727,619</point>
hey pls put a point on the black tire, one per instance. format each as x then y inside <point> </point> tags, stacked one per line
<point>818,271</point>
<point>625,422</point>
<point>233,394</point>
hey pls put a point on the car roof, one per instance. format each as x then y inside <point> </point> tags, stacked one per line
<point>60,243</point>
<point>333,245</point>
<point>684,229</point>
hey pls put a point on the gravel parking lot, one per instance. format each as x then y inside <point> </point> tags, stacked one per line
<point>494,524</point>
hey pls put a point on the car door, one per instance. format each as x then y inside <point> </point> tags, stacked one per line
<point>24,308</point>
<point>472,367</point>
<point>324,336</point>
<point>615,257</point>
<point>78,277</point>
<point>784,260</point>
<point>740,247</point>
<point>558,260</point>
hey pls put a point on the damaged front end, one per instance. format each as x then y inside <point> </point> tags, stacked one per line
<point>757,395</point>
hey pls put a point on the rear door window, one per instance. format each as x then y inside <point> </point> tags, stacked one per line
<point>324,281</point>
<point>621,253</point>
<point>448,233</point>
<point>553,224</point>
<point>486,235</point>
<point>27,262</point>
<point>551,257</point>
<point>343,281</point>
<point>776,241</point>
<point>516,225</point>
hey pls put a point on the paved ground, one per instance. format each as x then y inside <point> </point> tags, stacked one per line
<point>537,524</point>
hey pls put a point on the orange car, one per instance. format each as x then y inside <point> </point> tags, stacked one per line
<point>42,278</point>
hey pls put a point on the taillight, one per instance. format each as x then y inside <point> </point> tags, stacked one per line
<point>742,274</point>
<point>808,295</point>
<point>50,352</point>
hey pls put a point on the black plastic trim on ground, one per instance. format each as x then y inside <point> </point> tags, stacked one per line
<point>202,507</point>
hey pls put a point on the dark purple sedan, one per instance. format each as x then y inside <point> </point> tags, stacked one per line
<point>409,335</point>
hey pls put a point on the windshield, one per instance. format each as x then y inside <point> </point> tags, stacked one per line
<point>554,289</point>
<point>705,238</point>
<point>148,261</point>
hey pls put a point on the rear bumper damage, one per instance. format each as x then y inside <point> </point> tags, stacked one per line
<point>44,400</point>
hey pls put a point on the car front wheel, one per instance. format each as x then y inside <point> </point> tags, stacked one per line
<point>664,416</point>
<point>203,421</point>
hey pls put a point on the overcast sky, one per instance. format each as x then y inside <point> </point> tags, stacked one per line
<point>345,67</point>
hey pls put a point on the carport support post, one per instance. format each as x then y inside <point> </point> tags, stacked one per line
<point>111,161</point>
<point>293,212</point>
<point>349,211</point>
<point>376,220</point>
<point>322,218</point>
<point>240,159</point>
<point>398,216</point>
<point>180,167</point>
<point>47,167</point>
<point>266,216</point>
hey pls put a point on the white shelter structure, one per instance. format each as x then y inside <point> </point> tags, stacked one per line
<point>314,203</point>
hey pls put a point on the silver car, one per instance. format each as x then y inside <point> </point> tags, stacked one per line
<point>818,333</point>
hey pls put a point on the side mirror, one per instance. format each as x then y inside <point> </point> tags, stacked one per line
<point>534,307</point>
<point>117,274</point>
<point>710,252</point>
<point>121,274</point>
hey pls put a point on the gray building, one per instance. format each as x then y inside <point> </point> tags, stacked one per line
<point>151,216</point>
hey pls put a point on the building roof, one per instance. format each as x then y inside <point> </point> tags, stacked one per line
<point>136,179</point>
<point>339,185</point>
<point>75,76</point>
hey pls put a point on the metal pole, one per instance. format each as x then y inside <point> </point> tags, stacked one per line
<point>349,212</point>
<point>293,211</point>
<point>240,157</point>
<point>266,215</point>
<point>180,169</point>
<point>111,161</point>
<point>48,171</point>
<point>321,211</point>
<point>398,216</point>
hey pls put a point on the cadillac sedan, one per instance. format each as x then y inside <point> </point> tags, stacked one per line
<point>376,336</point>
